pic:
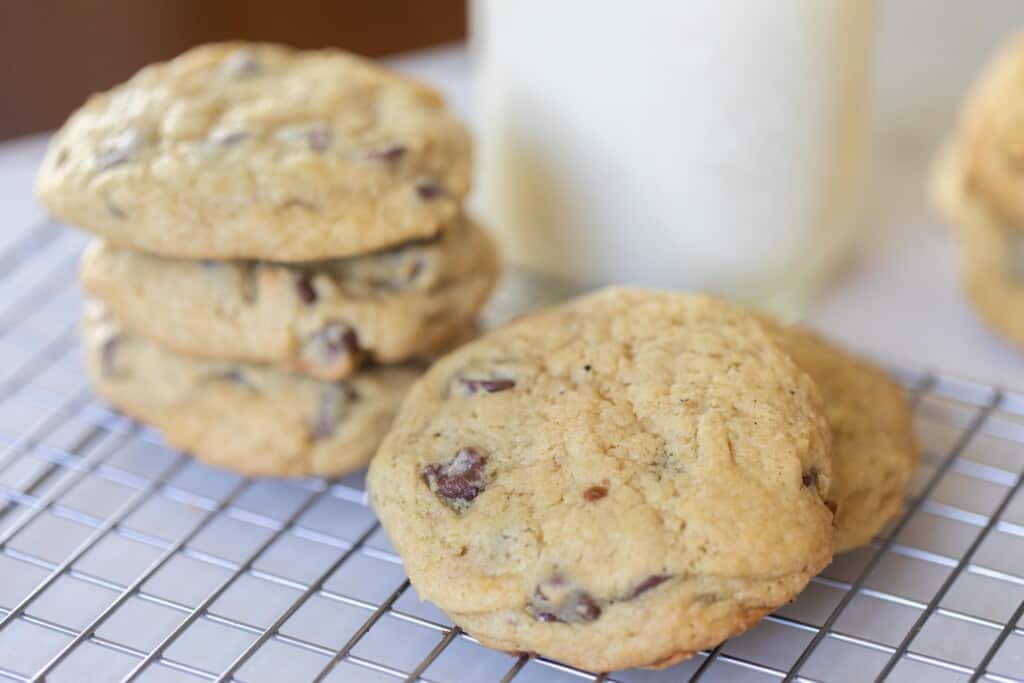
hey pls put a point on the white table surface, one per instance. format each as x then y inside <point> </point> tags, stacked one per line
<point>900,297</point>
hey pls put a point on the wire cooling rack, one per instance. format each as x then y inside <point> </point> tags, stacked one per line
<point>121,559</point>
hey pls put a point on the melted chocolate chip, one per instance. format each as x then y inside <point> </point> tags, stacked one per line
<point>304,287</point>
<point>390,153</point>
<point>331,408</point>
<point>118,149</point>
<point>429,189</point>
<point>327,345</point>
<point>557,600</point>
<point>469,386</point>
<point>652,581</point>
<point>415,269</point>
<point>458,481</point>
<point>810,478</point>
<point>595,493</point>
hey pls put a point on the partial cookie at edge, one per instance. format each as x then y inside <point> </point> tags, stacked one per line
<point>992,250</point>
<point>990,135</point>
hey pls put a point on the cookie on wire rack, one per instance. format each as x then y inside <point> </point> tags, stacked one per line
<point>619,481</point>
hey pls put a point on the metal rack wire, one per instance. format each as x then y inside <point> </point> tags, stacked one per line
<point>123,560</point>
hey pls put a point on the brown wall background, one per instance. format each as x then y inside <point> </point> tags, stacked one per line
<point>54,53</point>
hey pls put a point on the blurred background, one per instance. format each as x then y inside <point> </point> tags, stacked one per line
<point>54,53</point>
<point>542,84</point>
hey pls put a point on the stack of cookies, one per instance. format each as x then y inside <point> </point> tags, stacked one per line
<point>635,475</point>
<point>281,238</point>
<point>978,183</point>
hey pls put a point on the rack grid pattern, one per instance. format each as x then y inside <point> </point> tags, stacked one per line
<point>123,560</point>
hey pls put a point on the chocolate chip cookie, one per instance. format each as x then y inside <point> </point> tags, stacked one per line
<point>992,245</point>
<point>874,448</point>
<point>324,319</point>
<point>257,151</point>
<point>619,481</point>
<point>243,417</point>
<point>991,134</point>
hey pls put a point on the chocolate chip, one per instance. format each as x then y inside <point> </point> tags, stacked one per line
<point>331,408</point>
<point>647,584</point>
<point>810,478</point>
<point>459,480</point>
<point>557,600</point>
<point>118,149</point>
<point>390,153</point>
<point>586,367</point>
<point>330,343</point>
<point>409,265</point>
<point>429,189</point>
<point>241,63</point>
<point>595,493</point>
<point>415,269</point>
<point>304,286</point>
<point>469,386</point>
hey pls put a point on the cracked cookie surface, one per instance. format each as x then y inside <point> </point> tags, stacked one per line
<point>259,151</point>
<point>618,481</point>
<point>992,247</point>
<point>324,319</point>
<point>243,417</point>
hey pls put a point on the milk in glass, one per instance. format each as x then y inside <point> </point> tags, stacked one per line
<point>701,144</point>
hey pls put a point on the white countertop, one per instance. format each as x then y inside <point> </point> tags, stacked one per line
<point>900,297</point>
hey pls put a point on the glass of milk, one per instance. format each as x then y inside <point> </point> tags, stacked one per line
<point>712,145</point>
